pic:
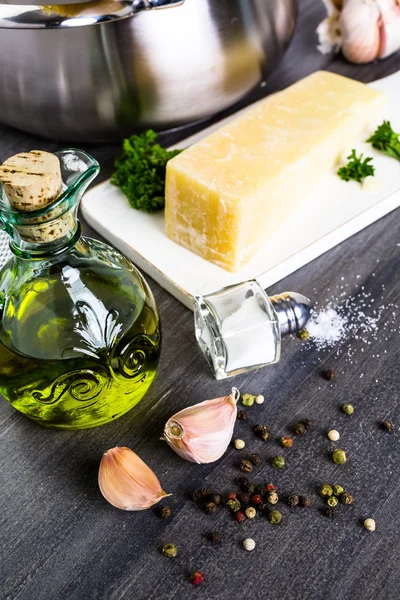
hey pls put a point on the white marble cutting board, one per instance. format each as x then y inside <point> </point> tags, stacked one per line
<point>335,211</point>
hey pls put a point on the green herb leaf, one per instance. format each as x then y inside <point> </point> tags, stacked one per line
<point>386,140</point>
<point>357,168</point>
<point>140,171</point>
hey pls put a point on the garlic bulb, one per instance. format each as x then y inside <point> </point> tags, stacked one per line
<point>127,482</point>
<point>364,29</point>
<point>202,433</point>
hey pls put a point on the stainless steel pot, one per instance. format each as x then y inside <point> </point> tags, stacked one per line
<point>98,71</point>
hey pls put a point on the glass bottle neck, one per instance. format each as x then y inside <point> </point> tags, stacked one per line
<point>35,251</point>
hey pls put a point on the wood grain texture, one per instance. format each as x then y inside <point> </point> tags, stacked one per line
<point>59,538</point>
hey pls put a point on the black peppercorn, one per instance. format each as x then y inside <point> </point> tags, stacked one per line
<point>329,374</point>
<point>308,424</point>
<point>293,500</point>
<point>304,501</point>
<point>243,483</point>
<point>216,498</point>
<point>165,512</point>
<point>195,495</point>
<point>262,507</point>
<point>244,498</point>
<point>263,432</point>
<point>211,508</point>
<point>255,459</point>
<point>346,498</point>
<point>246,466</point>
<point>260,489</point>
<point>387,425</point>
<point>214,537</point>
<point>299,429</point>
<point>329,511</point>
<point>206,492</point>
<point>242,415</point>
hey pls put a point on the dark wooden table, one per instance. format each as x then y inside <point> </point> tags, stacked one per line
<point>61,540</point>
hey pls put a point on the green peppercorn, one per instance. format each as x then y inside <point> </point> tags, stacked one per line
<point>275,517</point>
<point>293,500</point>
<point>234,505</point>
<point>278,462</point>
<point>346,498</point>
<point>326,490</point>
<point>170,550</point>
<point>248,399</point>
<point>338,490</point>
<point>246,466</point>
<point>303,334</point>
<point>348,409</point>
<point>332,501</point>
<point>339,457</point>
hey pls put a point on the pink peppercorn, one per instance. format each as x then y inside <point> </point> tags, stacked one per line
<point>270,487</point>
<point>240,516</point>
<point>197,577</point>
<point>256,499</point>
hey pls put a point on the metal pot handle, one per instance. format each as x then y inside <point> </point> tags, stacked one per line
<point>16,16</point>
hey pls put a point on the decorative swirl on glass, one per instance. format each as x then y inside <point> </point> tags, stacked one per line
<point>133,357</point>
<point>82,384</point>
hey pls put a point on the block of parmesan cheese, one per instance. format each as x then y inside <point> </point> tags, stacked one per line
<point>228,192</point>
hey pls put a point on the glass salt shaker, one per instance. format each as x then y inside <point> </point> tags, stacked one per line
<point>239,328</point>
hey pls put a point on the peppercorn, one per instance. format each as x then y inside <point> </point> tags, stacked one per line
<point>272,498</point>
<point>370,524</point>
<point>242,415</point>
<point>170,550</point>
<point>206,492</point>
<point>260,399</point>
<point>255,459</point>
<point>333,435</point>
<point>286,442</point>
<point>250,512</point>
<point>304,501</point>
<point>211,508</point>
<point>249,544</point>
<point>246,466</point>
<point>329,511</point>
<point>165,512</point>
<point>256,499</point>
<point>263,432</point>
<point>348,409</point>
<point>270,487</point>
<point>303,334</point>
<point>299,429</point>
<point>259,489</point>
<point>332,501</point>
<point>329,374</point>
<point>197,577</point>
<point>216,498</point>
<point>278,462</point>
<point>338,490</point>
<point>248,399</point>
<point>243,483</point>
<point>233,505</point>
<point>339,457</point>
<point>293,500</point>
<point>240,516</point>
<point>308,424</point>
<point>195,495</point>
<point>251,489</point>
<point>326,490</point>
<point>346,498</point>
<point>239,444</point>
<point>262,507</point>
<point>231,496</point>
<point>387,425</point>
<point>214,537</point>
<point>275,516</point>
<point>244,498</point>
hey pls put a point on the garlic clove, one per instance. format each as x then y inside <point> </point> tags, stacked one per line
<point>328,31</point>
<point>127,482</point>
<point>389,27</point>
<point>359,23</point>
<point>201,433</point>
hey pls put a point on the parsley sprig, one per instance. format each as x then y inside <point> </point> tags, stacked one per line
<point>386,140</point>
<point>140,171</point>
<point>356,169</point>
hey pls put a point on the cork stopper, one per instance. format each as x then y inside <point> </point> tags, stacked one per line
<point>31,181</point>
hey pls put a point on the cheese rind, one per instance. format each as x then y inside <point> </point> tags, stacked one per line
<point>228,192</point>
